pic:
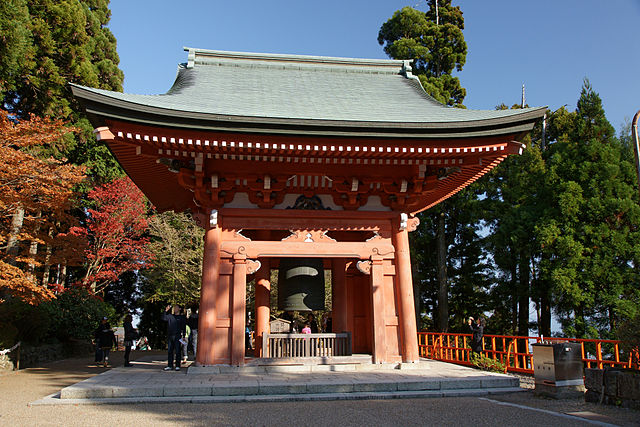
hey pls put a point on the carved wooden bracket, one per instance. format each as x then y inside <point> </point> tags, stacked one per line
<point>308,236</point>
<point>253,266</point>
<point>364,267</point>
<point>413,223</point>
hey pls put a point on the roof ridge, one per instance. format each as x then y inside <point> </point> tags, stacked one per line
<point>204,56</point>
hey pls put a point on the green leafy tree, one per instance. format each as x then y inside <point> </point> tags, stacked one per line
<point>15,39</point>
<point>434,41</point>
<point>591,240</point>
<point>445,302</point>
<point>177,244</point>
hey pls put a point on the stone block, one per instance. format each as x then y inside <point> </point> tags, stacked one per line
<point>375,386</point>
<point>137,391</point>
<point>419,385</point>
<point>334,368</point>
<point>236,390</point>
<point>288,368</point>
<point>278,388</point>
<point>593,379</point>
<point>629,385</point>
<point>84,391</point>
<point>611,382</point>
<point>452,384</point>
<point>592,396</point>
<point>317,388</point>
<point>500,382</point>
<point>203,370</point>
<point>187,390</point>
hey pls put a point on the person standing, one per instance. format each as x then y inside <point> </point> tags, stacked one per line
<point>477,330</point>
<point>130,335</point>
<point>312,324</point>
<point>105,339</point>
<point>192,321</point>
<point>175,331</point>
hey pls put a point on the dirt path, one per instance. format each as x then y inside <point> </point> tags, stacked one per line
<point>18,389</point>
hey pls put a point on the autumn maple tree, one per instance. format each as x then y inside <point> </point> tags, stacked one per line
<point>36,197</point>
<point>115,229</point>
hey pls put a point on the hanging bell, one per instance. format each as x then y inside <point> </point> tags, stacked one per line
<point>301,284</point>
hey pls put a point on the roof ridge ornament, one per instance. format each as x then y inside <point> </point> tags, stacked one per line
<point>191,58</point>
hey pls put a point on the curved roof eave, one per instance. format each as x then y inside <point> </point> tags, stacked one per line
<point>100,106</point>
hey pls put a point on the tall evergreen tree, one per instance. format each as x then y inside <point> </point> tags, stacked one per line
<point>592,238</point>
<point>435,42</point>
<point>49,44</point>
<point>513,208</point>
<point>446,239</point>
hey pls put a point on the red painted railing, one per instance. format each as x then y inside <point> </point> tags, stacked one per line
<point>514,352</point>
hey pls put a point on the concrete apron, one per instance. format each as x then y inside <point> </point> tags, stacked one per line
<point>147,382</point>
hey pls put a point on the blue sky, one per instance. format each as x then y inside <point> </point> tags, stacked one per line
<point>549,45</point>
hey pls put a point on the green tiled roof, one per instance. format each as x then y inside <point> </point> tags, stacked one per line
<point>290,90</point>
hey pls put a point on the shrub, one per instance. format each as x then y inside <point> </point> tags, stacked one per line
<point>76,313</point>
<point>23,322</point>
<point>485,363</point>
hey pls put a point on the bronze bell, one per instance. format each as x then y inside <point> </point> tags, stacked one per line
<point>301,284</point>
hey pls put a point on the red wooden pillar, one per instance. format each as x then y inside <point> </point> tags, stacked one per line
<point>339,297</point>
<point>378,310</point>
<point>263,303</point>
<point>238,313</point>
<point>404,284</point>
<point>207,312</point>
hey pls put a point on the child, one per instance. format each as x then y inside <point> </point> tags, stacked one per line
<point>306,329</point>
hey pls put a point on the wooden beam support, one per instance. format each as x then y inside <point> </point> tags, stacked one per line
<point>238,313</point>
<point>207,313</point>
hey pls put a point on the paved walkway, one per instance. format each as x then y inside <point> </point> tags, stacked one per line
<point>147,382</point>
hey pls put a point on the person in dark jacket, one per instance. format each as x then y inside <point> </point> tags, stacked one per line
<point>105,339</point>
<point>176,327</point>
<point>130,335</point>
<point>477,329</point>
<point>192,321</point>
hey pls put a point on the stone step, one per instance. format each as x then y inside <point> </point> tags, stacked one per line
<point>55,400</point>
<point>190,386</point>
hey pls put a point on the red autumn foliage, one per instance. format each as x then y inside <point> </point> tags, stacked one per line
<point>115,230</point>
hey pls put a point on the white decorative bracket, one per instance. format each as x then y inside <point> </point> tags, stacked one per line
<point>404,218</point>
<point>213,219</point>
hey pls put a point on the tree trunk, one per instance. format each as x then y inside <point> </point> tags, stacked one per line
<point>33,250</point>
<point>545,313</point>
<point>46,271</point>
<point>443,285</point>
<point>13,246</point>
<point>514,297</point>
<point>523,298</point>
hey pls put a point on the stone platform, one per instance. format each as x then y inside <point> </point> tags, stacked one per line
<point>147,382</point>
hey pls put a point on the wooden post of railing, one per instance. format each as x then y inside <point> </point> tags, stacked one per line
<point>583,355</point>
<point>599,354</point>
<point>493,347</point>
<point>506,364</point>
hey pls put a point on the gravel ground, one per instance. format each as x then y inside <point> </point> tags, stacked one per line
<point>519,409</point>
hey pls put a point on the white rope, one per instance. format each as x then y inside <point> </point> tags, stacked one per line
<point>3,352</point>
